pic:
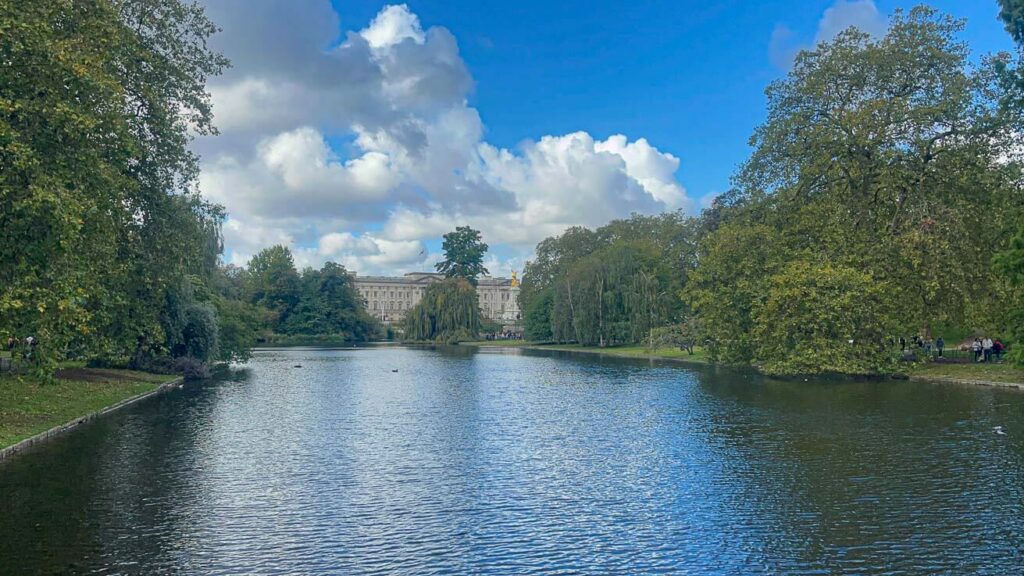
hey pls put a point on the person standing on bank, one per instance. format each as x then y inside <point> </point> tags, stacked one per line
<point>986,346</point>
<point>976,348</point>
<point>939,345</point>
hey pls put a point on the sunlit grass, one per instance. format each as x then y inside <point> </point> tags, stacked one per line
<point>28,407</point>
<point>621,351</point>
<point>990,372</point>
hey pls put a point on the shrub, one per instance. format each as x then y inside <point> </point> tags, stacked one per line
<point>823,318</point>
<point>191,368</point>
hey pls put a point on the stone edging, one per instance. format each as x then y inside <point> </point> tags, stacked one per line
<point>43,437</point>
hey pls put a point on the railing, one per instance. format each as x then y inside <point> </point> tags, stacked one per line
<point>951,355</point>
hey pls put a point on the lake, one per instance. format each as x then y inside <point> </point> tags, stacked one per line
<point>513,462</point>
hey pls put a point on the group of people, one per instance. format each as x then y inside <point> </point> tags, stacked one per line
<point>25,347</point>
<point>984,349</point>
<point>507,335</point>
<point>987,350</point>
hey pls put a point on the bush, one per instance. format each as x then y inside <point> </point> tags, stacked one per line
<point>819,318</point>
<point>191,368</point>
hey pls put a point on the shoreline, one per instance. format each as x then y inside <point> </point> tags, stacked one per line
<point>28,444</point>
<point>966,381</point>
<point>700,361</point>
<point>610,352</point>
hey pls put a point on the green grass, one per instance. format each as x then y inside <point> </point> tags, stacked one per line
<point>1004,372</point>
<point>498,343</point>
<point>620,351</point>
<point>635,352</point>
<point>28,407</point>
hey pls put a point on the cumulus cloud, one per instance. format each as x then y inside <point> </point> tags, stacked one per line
<point>359,147</point>
<point>861,14</point>
<point>864,15</point>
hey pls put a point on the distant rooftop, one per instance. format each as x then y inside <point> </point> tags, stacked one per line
<point>420,276</point>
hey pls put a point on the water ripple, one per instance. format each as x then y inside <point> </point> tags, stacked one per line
<point>511,463</point>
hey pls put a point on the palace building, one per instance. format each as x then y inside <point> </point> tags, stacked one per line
<point>388,298</point>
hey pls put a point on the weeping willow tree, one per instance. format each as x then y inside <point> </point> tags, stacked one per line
<point>448,312</point>
<point>616,295</point>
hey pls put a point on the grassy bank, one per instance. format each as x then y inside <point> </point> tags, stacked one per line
<point>641,352</point>
<point>28,407</point>
<point>1004,373</point>
<point>999,373</point>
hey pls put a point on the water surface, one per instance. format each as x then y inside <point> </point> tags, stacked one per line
<point>507,462</point>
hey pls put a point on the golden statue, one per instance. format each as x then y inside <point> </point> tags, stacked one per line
<point>514,281</point>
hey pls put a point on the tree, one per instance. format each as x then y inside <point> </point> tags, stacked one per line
<point>98,206</point>
<point>817,317</point>
<point>329,305</point>
<point>463,255</point>
<point>448,312</point>
<point>730,284</point>
<point>886,154</point>
<point>616,295</point>
<point>537,317</point>
<point>1012,14</point>
<point>1010,263</point>
<point>668,240</point>
<point>273,283</point>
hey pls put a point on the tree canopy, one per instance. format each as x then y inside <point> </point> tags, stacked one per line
<point>463,255</point>
<point>448,312</point>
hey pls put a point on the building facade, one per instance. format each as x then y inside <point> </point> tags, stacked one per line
<point>388,298</point>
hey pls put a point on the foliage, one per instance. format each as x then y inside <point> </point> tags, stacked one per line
<point>885,174</point>
<point>537,318</point>
<point>613,296</point>
<point>1010,263</point>
<point>1012,14</point>
<point>668,242</point>
<point>448,312</point>
<point>683,336</point>
<point>729,285</point>
<point>824,318</point>
<point>191,368</point>
<point>99,214</point>
<point>885,154</point>
<point>238,324</point>
<point>273,283</point>
<point>463,255</point>
<point>329,304</point>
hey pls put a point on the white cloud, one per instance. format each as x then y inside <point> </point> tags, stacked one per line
<point>358,148</point>
<point>861,14</point>
<point>393,25</point>
<point>841,15</point>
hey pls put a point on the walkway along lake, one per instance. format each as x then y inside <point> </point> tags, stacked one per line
<point>511,461</point>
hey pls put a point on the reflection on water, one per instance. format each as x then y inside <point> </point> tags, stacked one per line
<point>505,462</point>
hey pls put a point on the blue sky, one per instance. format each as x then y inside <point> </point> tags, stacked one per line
<point>486,102</point>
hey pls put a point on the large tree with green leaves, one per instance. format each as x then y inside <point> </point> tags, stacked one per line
<point>329,305</point>
<point>886,154</point>
<point>448,312</point>
<point>463,255</point>
<point>99,214</point>
<point>816,317</point>
<point>274,284</point>
<point>1012,14</point>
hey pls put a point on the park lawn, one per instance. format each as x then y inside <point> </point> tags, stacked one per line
<point>635,352</point>
<point>498,343</point>
<point>28,407</point>
<point>982,372</point>
<point>619,351</point>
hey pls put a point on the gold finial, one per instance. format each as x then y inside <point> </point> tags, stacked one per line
<point>514,281</point>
